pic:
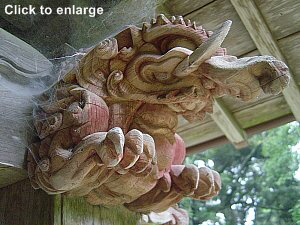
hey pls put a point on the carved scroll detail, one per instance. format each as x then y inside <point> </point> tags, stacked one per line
<point>107,129</point>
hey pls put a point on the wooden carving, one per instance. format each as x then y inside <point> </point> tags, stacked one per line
<point>107,130</point>
<point>172,216</point>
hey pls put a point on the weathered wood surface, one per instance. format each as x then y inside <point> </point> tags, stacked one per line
<point>79,212</point>
<point>182,8</point>
<point>20,66</point>
<point>229,125</point>
<point>290,47</point>
<point>10,175</point>
<point>212,15</point>
<point>282,17</point>
<point>266,110</point>
<point>267,45</point>
<point>15,116</point>
<point>86,31</point>
<point>198,134</point>
<point>20,204</point>
<point>278,15</point>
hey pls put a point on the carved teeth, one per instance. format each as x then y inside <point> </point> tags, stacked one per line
<point>209,33</point>
<point>194,25</point>
<point>180,20</point>
<point>162,20</point>
<point>188,23</point>
<point>153,21</point>
<point>145,26</point>
<point>173,19</point>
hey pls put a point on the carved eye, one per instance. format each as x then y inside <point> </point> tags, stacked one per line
<point>81,104</point>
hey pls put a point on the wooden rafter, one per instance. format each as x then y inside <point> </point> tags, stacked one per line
<point>229,125</point>
<point>267,45</point>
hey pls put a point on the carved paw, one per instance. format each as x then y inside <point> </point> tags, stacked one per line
<point>139,154</point>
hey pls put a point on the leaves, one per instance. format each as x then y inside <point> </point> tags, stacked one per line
<point>258,181</point>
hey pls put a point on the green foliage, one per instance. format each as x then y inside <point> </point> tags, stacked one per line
<point>258,182</point>
<point>296,213</point>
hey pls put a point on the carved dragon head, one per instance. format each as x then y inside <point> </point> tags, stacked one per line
<point>176,63</point>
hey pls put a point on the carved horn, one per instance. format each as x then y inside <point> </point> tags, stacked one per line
<point>203,52</point>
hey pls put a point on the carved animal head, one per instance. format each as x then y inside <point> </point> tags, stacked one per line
<point>178,64</point>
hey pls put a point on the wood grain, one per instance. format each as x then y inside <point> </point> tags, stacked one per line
<point>290,47</point>
<point>238,41</point>
<point>282,17</point>
<point>10,175</point>
<point>182,8</point>
<point>267,45</point>
<point>228,124</point>
<point>265,111</point>
<point>22,205</point>
<point>248,117</point>
<point>79,212</point>
<point>20,64</point>
<point>200,134</point>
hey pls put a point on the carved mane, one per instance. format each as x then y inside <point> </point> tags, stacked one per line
<point>108,134</point>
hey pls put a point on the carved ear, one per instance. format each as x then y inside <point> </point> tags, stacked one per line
<point>130,37</point>
<point>248,76</point>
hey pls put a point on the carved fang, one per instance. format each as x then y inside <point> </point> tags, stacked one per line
<point>189,23</point>
<point>203,52</point>
<point>145,27</point>
<point>180,20</point>
<point>162,20</point>
<point>194,26</point>
<point>173,19</point>
<point>153,21</point>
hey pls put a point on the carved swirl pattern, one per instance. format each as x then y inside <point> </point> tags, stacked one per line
<point>106,131</point>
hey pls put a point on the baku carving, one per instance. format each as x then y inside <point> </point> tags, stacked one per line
<point>107,130</point>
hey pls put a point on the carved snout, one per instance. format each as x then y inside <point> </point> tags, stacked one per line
<point>203,52</point>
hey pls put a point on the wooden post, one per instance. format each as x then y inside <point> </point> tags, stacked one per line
<point>20,204</point>
<point>20,66</point>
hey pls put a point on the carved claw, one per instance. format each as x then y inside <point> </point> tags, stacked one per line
<point>139,154</point>
<point>186,178</point>
<point>112,151</point>
<point>209,184</point>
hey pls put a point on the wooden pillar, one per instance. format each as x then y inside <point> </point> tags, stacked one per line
<point>20,204</point>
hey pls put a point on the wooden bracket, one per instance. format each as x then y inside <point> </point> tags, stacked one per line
<point>267,45</point>
<point>229,125</point>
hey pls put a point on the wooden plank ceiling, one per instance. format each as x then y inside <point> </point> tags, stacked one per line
<point>270,27</point>
<point>267,27</point>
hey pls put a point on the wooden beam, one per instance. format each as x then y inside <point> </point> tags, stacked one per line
<point>22,205</point>
<point>229,125</point>
<point>182,8</point>
<point>267,45</point>
<point>21,67</point>
<point>202,147</point>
